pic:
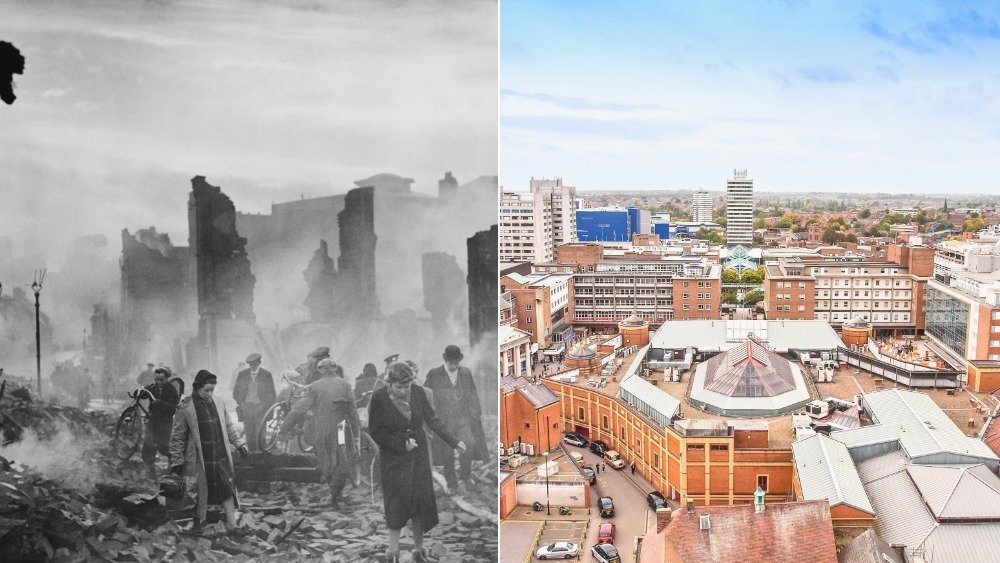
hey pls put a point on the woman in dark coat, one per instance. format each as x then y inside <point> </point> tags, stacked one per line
<point>396,416</point>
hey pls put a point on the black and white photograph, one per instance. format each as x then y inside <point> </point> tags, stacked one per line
<point>248,280</point>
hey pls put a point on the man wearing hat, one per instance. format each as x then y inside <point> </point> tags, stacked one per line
<point>457,405</point>
<point>254,393</point>
<point>336,426</point>
<point>310,369</point>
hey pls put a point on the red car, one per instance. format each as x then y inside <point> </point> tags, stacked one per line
<point>606,533</point>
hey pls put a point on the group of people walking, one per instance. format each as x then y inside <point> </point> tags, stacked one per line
<point>203,434</point>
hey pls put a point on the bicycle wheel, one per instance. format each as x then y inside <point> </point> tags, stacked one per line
<point>304,437</point>
<point>128,433</point>
<point>267,434</point>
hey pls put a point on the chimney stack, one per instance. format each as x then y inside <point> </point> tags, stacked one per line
<point>662,518</point>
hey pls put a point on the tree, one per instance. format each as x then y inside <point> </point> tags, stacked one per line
<point>753,297</point>
<point>729,275</point>
<point>757,240</point>
<point>759,223</point>
<point>973,225</point>
<point>709,235</point>
<point>864,213</point>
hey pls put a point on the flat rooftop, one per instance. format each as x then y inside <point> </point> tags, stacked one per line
<point>847,382</point>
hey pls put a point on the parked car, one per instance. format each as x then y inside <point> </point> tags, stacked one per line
<point>612,458</point>
<point>606,553</point>
<point>606,533</point>
<point>575,439</point>
<point>607,506</point>
<point>577,457</point>
<point>589,474</point>
<point>656,500</point>
<point>558,550</point>
<point>599,447</point>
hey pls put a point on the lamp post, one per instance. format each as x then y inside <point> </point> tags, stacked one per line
<point>548,441</point>
<point>36,286</point>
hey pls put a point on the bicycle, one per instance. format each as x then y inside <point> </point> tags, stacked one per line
<point>131,427</point>
<point>267,434</point>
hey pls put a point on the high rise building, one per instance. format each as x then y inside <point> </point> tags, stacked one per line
<point>739,209</point>
<point>701,207</point>
<point>526,228</point>
<point>562,200</point>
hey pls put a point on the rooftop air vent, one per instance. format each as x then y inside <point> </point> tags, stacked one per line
<point>704,522</point>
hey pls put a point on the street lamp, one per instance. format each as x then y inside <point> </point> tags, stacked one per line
<point>548,442</point>
<point>36,286</point>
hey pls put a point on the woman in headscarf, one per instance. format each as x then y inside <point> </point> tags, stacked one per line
<point>200,446</point>
<point>396,415</point>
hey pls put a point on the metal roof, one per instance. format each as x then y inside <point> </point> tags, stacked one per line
<point>519,278</point>
<point>509,334</point>
<point>866,436</point>
<point>963,542</point>
<point>923,428</point>
<point>900,512</point>
<point>728,405</point>
<point>643,395</point>
<point>719,335</point>
<point>826,471</point>
<point>969,491</point>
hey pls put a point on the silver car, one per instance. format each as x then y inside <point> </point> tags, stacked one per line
<point>558,550</point>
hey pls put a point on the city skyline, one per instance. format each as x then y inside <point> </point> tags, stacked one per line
<point>871,98</point>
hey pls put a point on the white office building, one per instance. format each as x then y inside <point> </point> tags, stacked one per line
<point>739,209</point>
<point>526,230</point>
<point>562,201</point>
<point>701,207</point>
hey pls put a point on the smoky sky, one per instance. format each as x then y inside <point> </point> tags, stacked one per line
<point>126,101</point>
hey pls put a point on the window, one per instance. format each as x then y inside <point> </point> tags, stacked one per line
<point>802,285</point>
<point>656,461</point>
<point>762,482</point>
<point>686,307</point>
<point>527,320</point>
<point>604,422</point>
<point>623,433</point>
<point>580,413</point>
<point>685,296</point>
<point>720,447</point>
<point>527,307</point>
<point>527,425</point>
<point>696,447</point>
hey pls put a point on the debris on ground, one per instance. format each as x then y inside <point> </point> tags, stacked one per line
<point>115,514</point>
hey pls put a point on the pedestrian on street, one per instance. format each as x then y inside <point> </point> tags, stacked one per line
<point>162,404</point>
<point>633,468</point>
<point>396,415</point>
<point>200,446</point>
<point>457,403</point>
<point>598,468</point>
<point>309,369</point>
<point>604,467</point>
<point>365,383</point>
<point>336,427</point>
<point>254,393</point>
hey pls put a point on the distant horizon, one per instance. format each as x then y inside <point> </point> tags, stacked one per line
<point>823,95</point>
<point>757,192</point>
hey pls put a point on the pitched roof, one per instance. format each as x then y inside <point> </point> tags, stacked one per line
<point>826,471</point>
<point>921,427</point>
<point>749,370</point>
<point>869,547</point>
<point>958,492</point>
<point>784,532</point>
<point>851,418</point>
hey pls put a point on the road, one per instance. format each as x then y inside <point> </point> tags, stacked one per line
<point>632,515</point>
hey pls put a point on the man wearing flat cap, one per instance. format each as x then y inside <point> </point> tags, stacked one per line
<point>254,393</point>
<point>457,405</point>
<point>310,369</point>
<point>336,427</point>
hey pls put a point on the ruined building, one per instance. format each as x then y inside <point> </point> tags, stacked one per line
<point>158,299</point>
<point>444,293</point>
<point>321,276</point>
<point>447,186</point>
<point>225,283</point>
<point>357,297</point>
<point>483,276</point>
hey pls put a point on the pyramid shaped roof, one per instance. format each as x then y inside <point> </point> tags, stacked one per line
<point>961,492</point>
<point>749,370</point>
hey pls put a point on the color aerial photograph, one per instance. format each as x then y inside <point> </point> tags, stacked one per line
<point>749,282</point>
<point>248,278</point>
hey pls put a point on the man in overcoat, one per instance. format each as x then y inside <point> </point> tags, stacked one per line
<point>457,405</point>
<point>336,427</point>
<point>254,393</point>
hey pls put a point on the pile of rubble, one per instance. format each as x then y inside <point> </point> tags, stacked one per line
<point>120,517</point>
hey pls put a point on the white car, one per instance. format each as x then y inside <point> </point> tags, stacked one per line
<point>558,550</point>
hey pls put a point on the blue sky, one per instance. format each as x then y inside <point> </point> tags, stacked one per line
<point>897,97</point>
